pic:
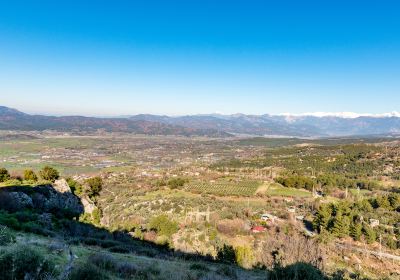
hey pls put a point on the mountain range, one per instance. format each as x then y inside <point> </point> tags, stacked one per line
<point>213,125</point>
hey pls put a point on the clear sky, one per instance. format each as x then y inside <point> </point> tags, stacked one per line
<point>199,56</point>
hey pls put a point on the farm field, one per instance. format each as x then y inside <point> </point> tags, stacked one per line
<point>242,188</point>
<point>275,189</point>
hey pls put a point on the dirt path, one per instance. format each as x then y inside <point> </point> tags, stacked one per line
<point>366,251</point>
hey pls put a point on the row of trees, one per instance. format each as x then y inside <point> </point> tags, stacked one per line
<point>91,186</point>
<point>326,182</point>
<point>47,173</point>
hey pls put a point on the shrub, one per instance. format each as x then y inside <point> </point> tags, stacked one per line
<point>120,249</point>
<point>30,175</point>
<point>88,271</point>
<point>199,266</point>
<point>25,263</point>
<point>297,271</point>
<point>9,220</point>
<point>36,228</point>
<point>103,261</point>
<point>109,263</point>
<point>163,225</point>
<point>4,175</point>
<point>176,182</point>
<point>227,271</point>
<point>75,187</point>
<point>95,186</point>
<point>6,236</point>
<point>49,174</point>
<point>244,257</point>
<point>226,254</point>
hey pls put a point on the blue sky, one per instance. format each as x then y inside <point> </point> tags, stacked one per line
<point>189,57</point>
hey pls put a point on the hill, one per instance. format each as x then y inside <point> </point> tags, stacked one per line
<point>11,119</point>
<point>312,125</point>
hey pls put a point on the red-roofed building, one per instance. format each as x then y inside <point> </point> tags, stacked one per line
<point>257,229</point>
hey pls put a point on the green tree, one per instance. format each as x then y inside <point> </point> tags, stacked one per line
<point>95,185</point>
<point>369,233</point>
<point>176,182</point>
<point>394,200</point>
<point>75,187</point>
<point>226,254</point>
<point>244,256</point>
<point>30,175</point>
<point>49,173</point>
<point>341,225</point>
<point>163,225</point>
<point>383,202</point>
<point>323,217</point>
<point>4,175</point>
<point>356,231</point>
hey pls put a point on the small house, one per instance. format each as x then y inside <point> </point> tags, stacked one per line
<point>268,217</point>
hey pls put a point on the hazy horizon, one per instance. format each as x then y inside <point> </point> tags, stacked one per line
<point>288,114</point>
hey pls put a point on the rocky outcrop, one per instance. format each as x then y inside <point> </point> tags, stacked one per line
<point>61,186</point>
<point>21,199</point>
<point>88,205</point>
<point>46,198</point>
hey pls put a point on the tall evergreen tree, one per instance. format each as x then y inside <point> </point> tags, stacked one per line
<point>323,218</point>
<point>356,230</point>
<point>341,226</point>
<point>370,234</point>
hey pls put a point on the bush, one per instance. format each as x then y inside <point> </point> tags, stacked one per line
<point>49,174</point>
<point>244,256</point>
<point>30,175</point>
<point>297,271</point>
<point>95,186</point>
<point>103,261</point>
<point>163,225</point>
<point>199,266</point>
<point>176,182</point>
<point>88,271</point>
<point>120,249</point>
<point>75,187</point>
<point>37,229</point>
<point>6,236</point>
<point>226,254</point>
<point>25,263</point>
<point>9,220</point>
<point>109,263</point>
<point>4,175</point>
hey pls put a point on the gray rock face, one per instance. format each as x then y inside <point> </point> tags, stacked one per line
<point>61,186</point>
<point>44,198</point>
<point>88,205</point>
<point>21,199</point>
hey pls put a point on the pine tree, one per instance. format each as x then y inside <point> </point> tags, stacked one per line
<point>341,225</point>
<point>323,218</point>
<point>356,230</point>
<point>370,234</point>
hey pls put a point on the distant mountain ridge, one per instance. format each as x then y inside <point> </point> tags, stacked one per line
<point>213,125</point>
<point>11,119</point>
